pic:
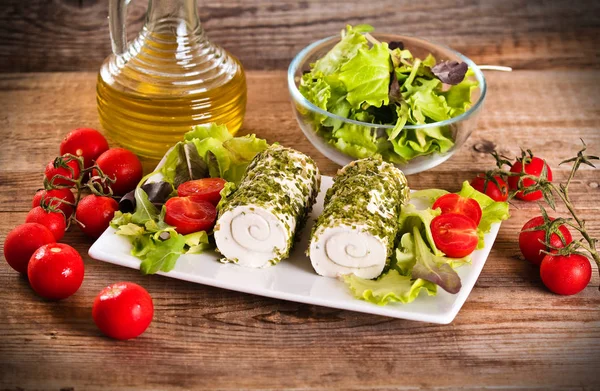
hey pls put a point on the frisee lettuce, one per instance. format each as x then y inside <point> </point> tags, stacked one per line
<point>369,82</point>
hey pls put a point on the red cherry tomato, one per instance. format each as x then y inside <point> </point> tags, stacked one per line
<point>189,215</point>
<point>565,275</point>
<point>46,196</point>
<point>85,142</point>
<point>534,167</point>
<point>94,214</point>
<point>454,234</point>
<point>122,166</point>
<point>453,203</point>
<point>207,189</point>
<point>529,241</point>
<point>22,242</point>
<point>123,310</point>
<point>491,189</point>
<point>58,167</point>
<point>55,271</point>
<point>54,221</point>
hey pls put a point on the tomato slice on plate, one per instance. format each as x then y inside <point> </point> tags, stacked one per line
<point>188,214</point>
<point>207,189</point>
<point>453,203</point>
<point>454,234</point>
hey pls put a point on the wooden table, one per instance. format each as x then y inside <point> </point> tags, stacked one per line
<point>510,332</point>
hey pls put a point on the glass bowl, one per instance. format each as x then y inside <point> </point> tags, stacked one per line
<point>310,116</point>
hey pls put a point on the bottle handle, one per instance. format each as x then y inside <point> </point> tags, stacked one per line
<point>117,15</point>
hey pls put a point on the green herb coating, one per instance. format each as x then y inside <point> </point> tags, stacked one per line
<point>284,182</point>
<point>367,193</point>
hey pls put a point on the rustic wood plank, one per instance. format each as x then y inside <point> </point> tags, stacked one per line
<point>68,35</point>
<point>510,333</point>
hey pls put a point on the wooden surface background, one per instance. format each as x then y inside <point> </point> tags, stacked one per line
<point>511,333</point>
<point>72,35</point>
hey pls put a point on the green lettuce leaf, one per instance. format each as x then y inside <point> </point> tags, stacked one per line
<point>411,218</point>
<point>159,255</point>
<point>210,130</point>
<point>428,195</point>
<point>367,76</point>
<point>352,41</point>
<point>390,287</point>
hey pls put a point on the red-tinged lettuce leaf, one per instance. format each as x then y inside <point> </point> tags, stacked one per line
<point>450,72</point>
<point>432,268</point>
<point>158,193</point>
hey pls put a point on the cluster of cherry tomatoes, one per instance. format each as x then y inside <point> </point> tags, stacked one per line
<point>562,274</point>
<point>55,270</point>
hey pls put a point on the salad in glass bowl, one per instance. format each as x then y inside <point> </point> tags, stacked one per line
<point>411,101</point>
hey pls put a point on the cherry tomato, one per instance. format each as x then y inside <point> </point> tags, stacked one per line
<point>58,167</point>
<point>123,310</point>
<point>453,203</point>
<point>207,189</point>
<point>122,166</point>
<point>55,271</point>
<point>533,167</point>
<point>54,221</point>
<point>94,214</point>
<point>85,142</point>
<point>529,241</point>
<point>565,274</point>
<point>491,189</point>
<point>46,196</point>
<point>454,234</point>
<point>22,242</point>
<point>189,215</point>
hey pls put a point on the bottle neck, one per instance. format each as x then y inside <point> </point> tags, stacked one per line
<point>164,15</point>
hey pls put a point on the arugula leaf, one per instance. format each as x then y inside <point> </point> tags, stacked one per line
<point>367,76</point>
<point>390,287</point>
<point>433,268</point>
<point>144,209</point>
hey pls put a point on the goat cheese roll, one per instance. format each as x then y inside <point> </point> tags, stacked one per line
<point>355,233</point>
<point>258,223</point>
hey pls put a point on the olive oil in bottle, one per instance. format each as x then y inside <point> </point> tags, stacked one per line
<point>151,91</point>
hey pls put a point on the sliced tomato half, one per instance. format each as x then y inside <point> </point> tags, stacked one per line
<point>453,203</point>
<point>188,214</point>
<point>454,234</point>
<point>207,189</point>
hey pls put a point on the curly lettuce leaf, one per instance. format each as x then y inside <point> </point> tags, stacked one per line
<point>352,41</point>
<point>367,76</point>
<point>390,287</point>
<point>210,130</point>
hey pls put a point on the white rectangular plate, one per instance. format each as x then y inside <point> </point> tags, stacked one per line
<point>294,279</point>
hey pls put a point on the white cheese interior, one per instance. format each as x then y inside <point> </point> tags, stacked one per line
<point>343,250</point>
<point>251,235</point>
